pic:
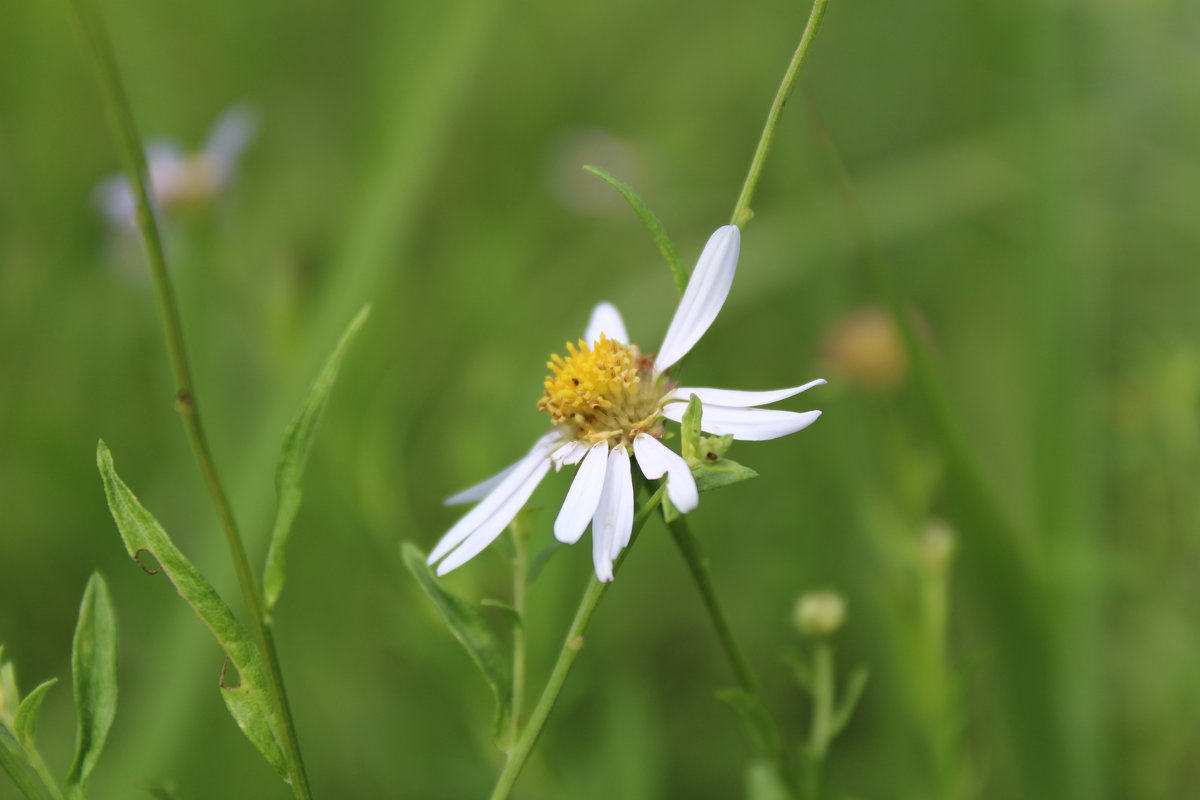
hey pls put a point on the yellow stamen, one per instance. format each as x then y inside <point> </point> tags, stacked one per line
<point>607,391</point>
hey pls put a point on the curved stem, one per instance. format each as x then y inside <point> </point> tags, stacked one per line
<point>572,644</point>
<point>121,118</point>
<point>741,210</point>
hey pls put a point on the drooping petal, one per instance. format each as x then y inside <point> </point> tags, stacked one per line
<point>613,513</point>
<point>536,461</point>
<point>607,320</point>
<point>656,460</point>
<point>746,424</point>
<point>583,497</point>
<point>569,453</point>
<point>484,488</point>
<point>494,525</point>
<point>735,399</point>
<point>705,294</point>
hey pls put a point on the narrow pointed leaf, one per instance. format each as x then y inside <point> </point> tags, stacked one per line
<point>472,631</point>
<point>511,613</point>
<point>10,698</point>
<point>141,532</point>
<point>94,676</point>
<point>25,720</point>
<point>854,690</point>
<point>652,223</point>
<point>689,431</point>
<point>541,559</point>
<point>755,718</point>
<point>16,764</point>
<point>293,457</point>
<point>244,707</point>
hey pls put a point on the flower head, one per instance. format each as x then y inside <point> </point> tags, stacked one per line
<point>180,180</point>
<point>608,401</point>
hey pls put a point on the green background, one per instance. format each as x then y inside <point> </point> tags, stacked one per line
<point>1029,169</point>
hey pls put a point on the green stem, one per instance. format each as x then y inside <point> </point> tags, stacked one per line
<point>822,717</point>
<point>30,784</point>
<point>693,554</point>
<point>742,212</point>
<point>572,644</point>
<point>520,570</point>
<point>39,766</point>
<point>120,115</point>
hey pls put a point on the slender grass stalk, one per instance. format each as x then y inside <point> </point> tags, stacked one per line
<point>572,644</point>
<point>742,212</point>
<point>120,116</point>
<point>520,588</point>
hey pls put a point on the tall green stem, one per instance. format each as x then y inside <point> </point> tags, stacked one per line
<point>520,585</point>
<point>741,210</point>
<point>120,116</point>
<point>822,717</point>
<point>697,562</point>
<point>572,644</point>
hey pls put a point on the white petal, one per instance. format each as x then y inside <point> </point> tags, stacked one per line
<point>736,399</point>
<point>484,488</point>
<point>229,137</point>
<point>569,453</point>
<point>513,481</point>
<point>607,320</point>
<point>706,293</point>
<point>583,497</point>
<point>656,460</point>
<point>613,513</point>
<point>494,525</point>
<point>747,424</point>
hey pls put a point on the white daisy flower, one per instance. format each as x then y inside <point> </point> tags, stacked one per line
<point>607,401</point>
<point>177,179</point>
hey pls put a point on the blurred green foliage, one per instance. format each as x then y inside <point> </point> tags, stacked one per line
<point>1030,170</point>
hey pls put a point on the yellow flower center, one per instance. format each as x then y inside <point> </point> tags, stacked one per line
<point>606,391</point>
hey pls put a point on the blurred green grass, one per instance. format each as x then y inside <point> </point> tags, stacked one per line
<point>1030,172</point>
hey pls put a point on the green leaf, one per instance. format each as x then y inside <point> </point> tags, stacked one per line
<point>10,698</point>
<point>293,456</point>
<point>17,764</point>
<point>756,719</point>
<point>141,532</point>
<point>513,615</point>
<point>472,631</point>
<point>94,675</point>
<point>25,721</point>
<point>670,512</point>
<point>244,706</point>
<point>652,223</point>
<point>854,690</point>
<point>540,560</point>
<point>720,473</point>
<point>763,782</point>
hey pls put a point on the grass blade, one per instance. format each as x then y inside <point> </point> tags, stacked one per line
<point>293,457</point>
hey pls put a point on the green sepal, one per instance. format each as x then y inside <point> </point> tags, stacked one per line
<point>94,679</point>
<point>141,532</point>
<point>689,431</point>
<point>25,720</point>
<point>652,223</point>
<point>472,631</point>
<point>720,473</point>
<point>754,717</point>
<point>293,457</point>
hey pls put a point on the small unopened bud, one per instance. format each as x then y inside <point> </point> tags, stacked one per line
<point>937,546</point>
<point>819,613</point>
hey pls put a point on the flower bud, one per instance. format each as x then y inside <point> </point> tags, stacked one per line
<point>937,546</point>
<point>865,347</point>
<point>819,613</point>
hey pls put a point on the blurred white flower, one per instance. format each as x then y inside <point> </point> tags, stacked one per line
<point>608,400</point>
<point>179,180</point>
